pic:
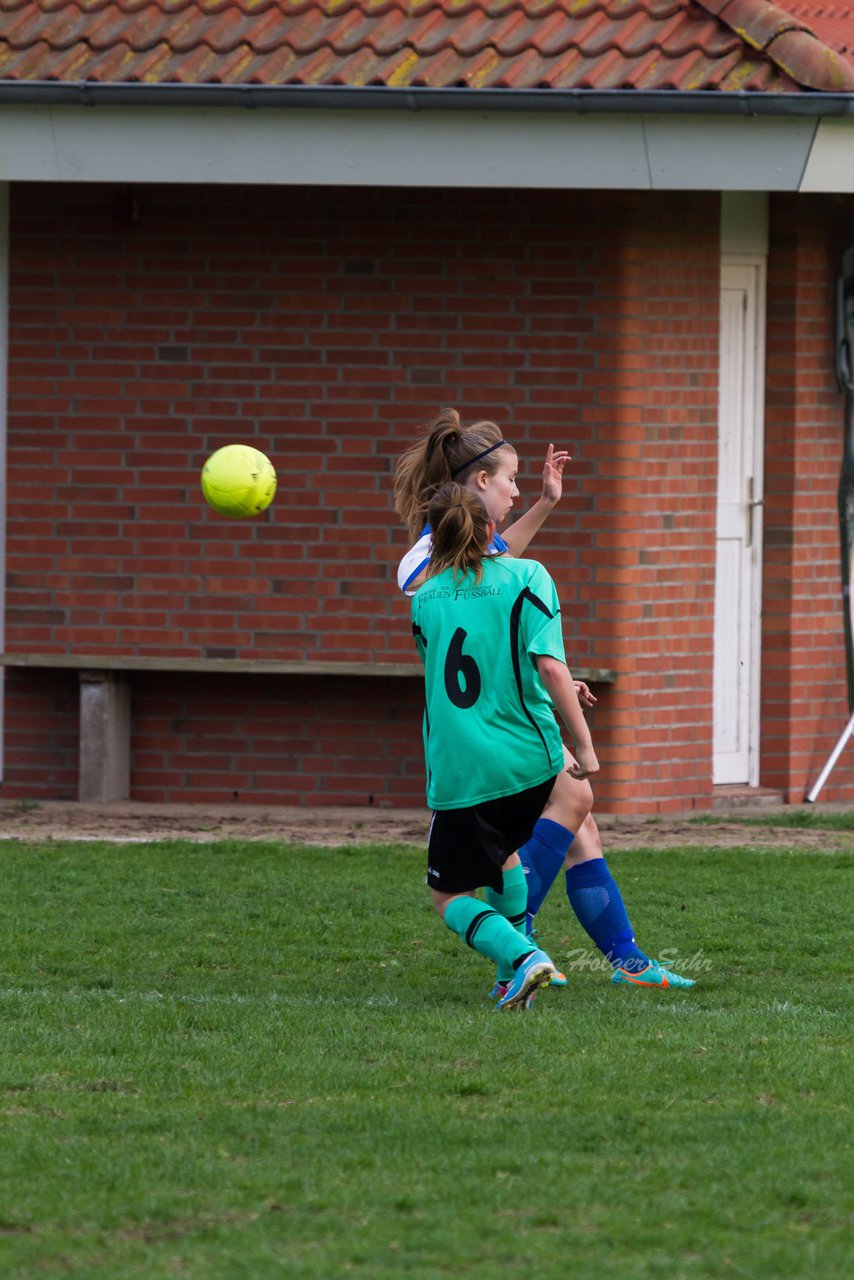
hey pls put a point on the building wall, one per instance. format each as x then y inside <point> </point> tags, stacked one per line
<point>149,327</point>
<point>804,690</point>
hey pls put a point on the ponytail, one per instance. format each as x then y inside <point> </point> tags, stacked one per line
<point>441,455</point>
<point>460,524</point>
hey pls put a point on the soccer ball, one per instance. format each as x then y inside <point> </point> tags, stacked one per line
<point>239,481</point>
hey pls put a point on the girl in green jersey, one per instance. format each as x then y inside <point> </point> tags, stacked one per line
<point>488,631</point>
<point>481,460</point>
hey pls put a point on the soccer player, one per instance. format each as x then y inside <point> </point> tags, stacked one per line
<point>481,460</point>
<point>487,629</point>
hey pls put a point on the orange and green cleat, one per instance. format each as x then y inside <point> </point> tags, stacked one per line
<point>656,974</point>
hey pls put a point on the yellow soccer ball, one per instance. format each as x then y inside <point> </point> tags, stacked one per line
<point>239,481</point>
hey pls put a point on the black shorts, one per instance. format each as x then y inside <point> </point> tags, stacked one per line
<point>467,848</point>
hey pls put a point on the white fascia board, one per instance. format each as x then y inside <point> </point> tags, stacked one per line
<point>707,153</point>
<point>343,147</point>
<point>831,163</point>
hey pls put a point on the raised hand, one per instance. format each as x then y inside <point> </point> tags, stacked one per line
<point>556,460</point>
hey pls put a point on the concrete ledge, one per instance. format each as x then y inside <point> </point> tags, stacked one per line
<point>217,666</point>
<point>242,666</point>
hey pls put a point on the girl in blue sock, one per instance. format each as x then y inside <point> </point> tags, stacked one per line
<point>480,459</point>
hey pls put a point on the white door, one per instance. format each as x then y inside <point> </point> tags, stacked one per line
<point>739,522</point>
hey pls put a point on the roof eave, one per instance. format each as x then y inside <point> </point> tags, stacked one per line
<point>416,99</point>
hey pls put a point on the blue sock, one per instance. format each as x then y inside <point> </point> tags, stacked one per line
<point>542,857</point>
<point>595,898</point>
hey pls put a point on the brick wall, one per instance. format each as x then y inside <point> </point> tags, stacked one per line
<point>804,692</point>
<point>653,522</point>
<point>42,713</point>
<point>324,327</point>
<point>300,741</point>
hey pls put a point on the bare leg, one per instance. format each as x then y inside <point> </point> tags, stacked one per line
<point>587,843</point>
<point>570,801</point>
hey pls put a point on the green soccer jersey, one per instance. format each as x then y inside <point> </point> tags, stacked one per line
<point>489,727</point>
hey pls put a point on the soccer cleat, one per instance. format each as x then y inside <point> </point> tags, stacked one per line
<point>500,988</point>
<point>559,979</point>
<point>534,972</point>
<point>656,974</point>
<point>675,979</point>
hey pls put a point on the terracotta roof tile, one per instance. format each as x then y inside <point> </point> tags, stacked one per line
<point>757,23</point>
<point>832,23</point>
<point>791,45</point>
<point>560,44</point>
<point>810,64</point>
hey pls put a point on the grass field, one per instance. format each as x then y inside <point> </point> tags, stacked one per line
<point>255,1060</point>
<point>803,818</point>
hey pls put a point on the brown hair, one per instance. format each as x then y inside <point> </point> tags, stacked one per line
<point>460,524</point>
<point>439,456</point>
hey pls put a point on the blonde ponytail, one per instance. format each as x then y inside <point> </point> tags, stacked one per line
<point>460,524</point>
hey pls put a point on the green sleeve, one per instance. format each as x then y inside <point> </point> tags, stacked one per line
<point>542,634</point>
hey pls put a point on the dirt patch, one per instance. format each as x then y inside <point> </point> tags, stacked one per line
<point>133,822</point>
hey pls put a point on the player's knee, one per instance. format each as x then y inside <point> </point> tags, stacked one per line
<point>570,802</point>
<point>576,803</point>
<point>583,801</point>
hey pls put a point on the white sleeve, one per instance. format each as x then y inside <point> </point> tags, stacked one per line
<point>415,560</point>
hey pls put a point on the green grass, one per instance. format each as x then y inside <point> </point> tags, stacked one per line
<point>254,1060</point>
<point>795,819</point>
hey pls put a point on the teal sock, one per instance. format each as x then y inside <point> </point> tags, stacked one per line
<point>513,905</point>
<point>487,932</point>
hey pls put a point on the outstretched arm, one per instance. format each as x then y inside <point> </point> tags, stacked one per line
<point>560,687</point>
<point>522,530</point>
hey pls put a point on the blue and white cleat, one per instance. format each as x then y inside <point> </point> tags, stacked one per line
<point>534,972</point>
<point>559,979</point>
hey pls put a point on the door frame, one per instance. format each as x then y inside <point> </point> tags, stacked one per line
<point>756,263</point>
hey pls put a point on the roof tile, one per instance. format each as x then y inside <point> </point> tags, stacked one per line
<point>832,23</point>
<point>758,24</point>
<point>790,44</point>
<point>811,64</point>
<point>597,44</point>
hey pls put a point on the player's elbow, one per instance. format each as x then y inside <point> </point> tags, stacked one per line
<point>550,670</point>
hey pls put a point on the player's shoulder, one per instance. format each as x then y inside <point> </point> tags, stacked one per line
<point>532,580</point>
<point>414,561</point>
<point>525,571</point>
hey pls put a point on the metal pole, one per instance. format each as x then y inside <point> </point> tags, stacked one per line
<point>845,495</point>
<point>834,756</point>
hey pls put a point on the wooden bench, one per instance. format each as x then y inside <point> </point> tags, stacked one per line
<point>105,699</point>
